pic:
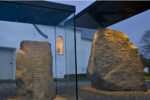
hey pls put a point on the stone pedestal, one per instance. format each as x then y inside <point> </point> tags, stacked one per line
<point>34,71</point>
<point>115,63</point>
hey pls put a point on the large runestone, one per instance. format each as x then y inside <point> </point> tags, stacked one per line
<point>115,63</point>
<point>34,71</point>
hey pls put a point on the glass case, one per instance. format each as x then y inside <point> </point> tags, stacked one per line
<point>113,48</point>
<point>31,33</point>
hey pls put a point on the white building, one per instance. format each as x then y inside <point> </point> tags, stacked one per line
<point>12,33</point>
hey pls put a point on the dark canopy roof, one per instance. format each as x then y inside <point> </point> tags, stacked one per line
<point>105,13</point>
<point>35,12</point>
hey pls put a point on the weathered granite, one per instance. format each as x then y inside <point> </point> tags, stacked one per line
<point>34,71</point>
<point>115,63</point>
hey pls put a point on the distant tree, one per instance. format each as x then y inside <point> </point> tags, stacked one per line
<point>148,65</point>
<point>144,61</point>
<point>145,40</point>
<point>145,48</point>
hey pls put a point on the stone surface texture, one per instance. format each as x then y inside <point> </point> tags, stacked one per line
<point>34,71</point>
<point>115,63</point>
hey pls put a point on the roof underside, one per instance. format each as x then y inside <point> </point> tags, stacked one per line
<point>105,13</point>
<point>35,12</point>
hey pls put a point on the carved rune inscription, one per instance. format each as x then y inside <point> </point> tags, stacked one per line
<point>34,72</point>
<point>38,72</point>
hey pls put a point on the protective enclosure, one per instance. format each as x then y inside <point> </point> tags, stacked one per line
<point>113,53</point>
<point>37,51</point>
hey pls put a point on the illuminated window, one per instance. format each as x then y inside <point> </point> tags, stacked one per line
<point>59,45</point>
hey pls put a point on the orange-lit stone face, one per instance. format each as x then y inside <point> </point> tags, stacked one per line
<point>59,45</point>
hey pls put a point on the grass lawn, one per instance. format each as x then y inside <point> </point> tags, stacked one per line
<point>81,77</point>
<point>147,76</point>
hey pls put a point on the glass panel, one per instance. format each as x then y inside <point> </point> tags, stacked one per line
<point>66,81</point>
<point>113,61</point>
<point>37,51</point>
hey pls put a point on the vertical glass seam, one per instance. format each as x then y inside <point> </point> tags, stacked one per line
<point>76,73</point>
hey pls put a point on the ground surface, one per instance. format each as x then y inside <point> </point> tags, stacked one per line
<point>89,93</point>
<point>86,92</point>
